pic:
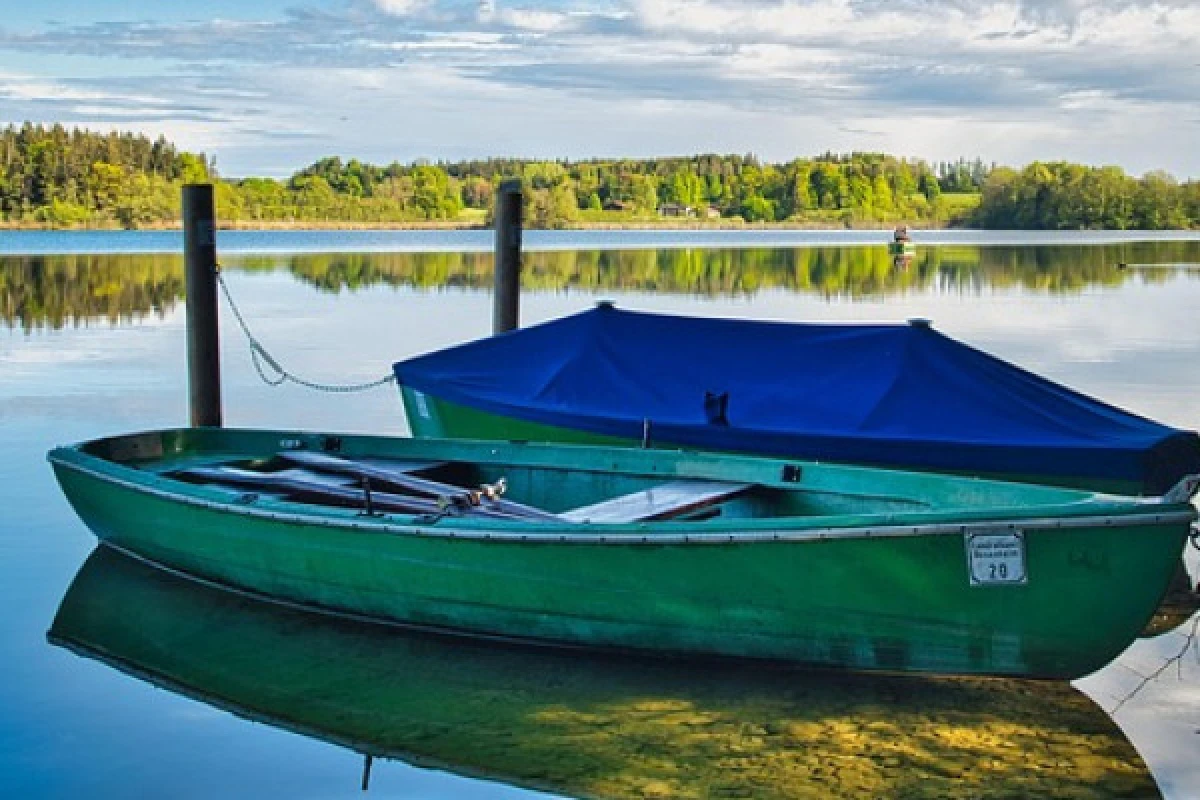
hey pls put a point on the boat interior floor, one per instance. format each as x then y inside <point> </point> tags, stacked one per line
<point>418,487</point>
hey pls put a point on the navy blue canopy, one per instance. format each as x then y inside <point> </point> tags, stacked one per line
<point>894,395</point>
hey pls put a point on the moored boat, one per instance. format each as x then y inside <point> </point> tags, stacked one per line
<point>902,396</point>
<point>684,554</point>
<point>902,244</point>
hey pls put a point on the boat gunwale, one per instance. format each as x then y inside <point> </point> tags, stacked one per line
<point>1135,512</point>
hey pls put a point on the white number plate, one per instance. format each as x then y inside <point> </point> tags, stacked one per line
<point>996,557</point>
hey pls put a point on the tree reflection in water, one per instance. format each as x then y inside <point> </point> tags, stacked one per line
<point>55,291</point>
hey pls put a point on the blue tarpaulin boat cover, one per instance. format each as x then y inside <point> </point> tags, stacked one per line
<point>892,395</point>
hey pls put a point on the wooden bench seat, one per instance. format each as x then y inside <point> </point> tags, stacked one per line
<point>665,501</point>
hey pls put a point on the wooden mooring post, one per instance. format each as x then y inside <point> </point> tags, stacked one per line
<point>200,280</point>
<point>507,221</point>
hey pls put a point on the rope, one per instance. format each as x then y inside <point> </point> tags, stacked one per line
<point>274,374</point>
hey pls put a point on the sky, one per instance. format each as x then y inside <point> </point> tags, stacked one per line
<point>269,86</point>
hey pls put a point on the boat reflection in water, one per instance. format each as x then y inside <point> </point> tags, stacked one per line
<point>588,725</point>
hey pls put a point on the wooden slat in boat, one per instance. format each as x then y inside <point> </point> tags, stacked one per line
<point>664,501</point>
<point>398,477</point>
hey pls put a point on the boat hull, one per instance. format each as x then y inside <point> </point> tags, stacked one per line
<point>430,417</point>
<point>886,602</point>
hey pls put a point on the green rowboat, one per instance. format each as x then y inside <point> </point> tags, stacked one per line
<point>677,553</point>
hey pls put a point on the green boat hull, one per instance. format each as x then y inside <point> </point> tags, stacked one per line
<point>431,417</point>
<point>862,591</point>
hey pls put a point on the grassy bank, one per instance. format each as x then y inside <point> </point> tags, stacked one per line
<point>957,208</point>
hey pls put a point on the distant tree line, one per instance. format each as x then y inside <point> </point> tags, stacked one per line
<point>1063,196</point>
<point>54,177</point>
<point>962,175</point>
<point>834,189</point>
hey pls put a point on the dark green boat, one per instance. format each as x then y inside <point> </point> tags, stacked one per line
<point>678,553</point>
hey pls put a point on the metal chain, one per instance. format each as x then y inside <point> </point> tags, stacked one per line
<point>277,375</point>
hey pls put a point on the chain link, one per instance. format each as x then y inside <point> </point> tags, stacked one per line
<point>273,373</point>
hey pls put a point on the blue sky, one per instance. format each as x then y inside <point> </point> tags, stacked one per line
<point>270,86</point>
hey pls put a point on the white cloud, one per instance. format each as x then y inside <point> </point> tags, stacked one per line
<point>401,8</point>
<point>1009,80</point>
<point>789,19</point>
<point>531,20</point>
<point>28,87</point>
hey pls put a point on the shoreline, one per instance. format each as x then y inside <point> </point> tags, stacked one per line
<point>617,226</point>
<point>444,225</point>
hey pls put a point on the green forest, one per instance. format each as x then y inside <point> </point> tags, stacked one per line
<point>52,177</point>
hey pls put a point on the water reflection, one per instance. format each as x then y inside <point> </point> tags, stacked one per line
<point>591,726</point>
<point>54,291</point>
<point>1178,606</point>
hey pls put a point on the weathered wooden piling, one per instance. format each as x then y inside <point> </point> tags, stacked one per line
<point>200,266</point>
<point>509,204</point>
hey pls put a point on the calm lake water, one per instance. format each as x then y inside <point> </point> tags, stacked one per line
<point>116,680</point>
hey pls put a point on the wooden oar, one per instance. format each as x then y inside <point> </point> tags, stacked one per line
<point>402,480</point>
